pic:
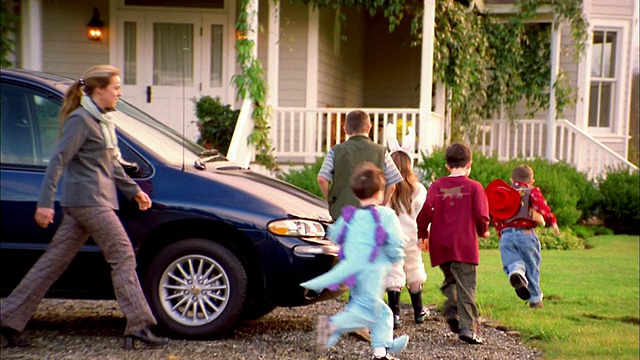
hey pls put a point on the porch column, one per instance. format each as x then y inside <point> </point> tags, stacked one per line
<point>313,49</point>
<point>239,150</point>
<point>429,129</point>
<point>273,53</point>
<point>31,40</point>
<point>552,113</point>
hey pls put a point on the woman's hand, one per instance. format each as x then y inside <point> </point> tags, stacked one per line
<point>44,216</point>
<point>143,200</point>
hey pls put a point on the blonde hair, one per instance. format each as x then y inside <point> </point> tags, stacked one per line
<point>97,77</point>
<point>401,198</point>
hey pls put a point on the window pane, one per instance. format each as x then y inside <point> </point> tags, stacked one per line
<point>593,105</point>
<point>596,53</point>
<point>216,56</point>
<point>172,54</point>
<point>16,134</point>
<point>130,54</point>
<point>605,105</point>
<point>47,119</point>
<point>609,55</point>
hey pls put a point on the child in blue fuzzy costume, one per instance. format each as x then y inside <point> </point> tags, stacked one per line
<point>371,240</point>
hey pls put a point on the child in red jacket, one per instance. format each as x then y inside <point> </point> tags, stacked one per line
<point>457,210</point>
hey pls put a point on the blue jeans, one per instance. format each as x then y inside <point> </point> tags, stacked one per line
<point>520,252</point>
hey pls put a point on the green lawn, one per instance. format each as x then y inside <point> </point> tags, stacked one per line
<point>591,299</point>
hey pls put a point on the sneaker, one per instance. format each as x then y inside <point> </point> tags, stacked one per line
<point>386,357</point>
<point>519,283</point>
<point>536,305</point>
<point>470,337</point>
<point>322,333</point>
<point>421,316</point>
<point>398,344</point>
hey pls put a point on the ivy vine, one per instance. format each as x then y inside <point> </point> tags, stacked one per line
<point>488,64</point>
<point>251,83</point>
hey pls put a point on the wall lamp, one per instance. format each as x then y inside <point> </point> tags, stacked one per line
<point>95,25</point>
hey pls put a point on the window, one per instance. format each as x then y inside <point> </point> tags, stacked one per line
<point>130,52</point>
<point>173,54</point>
<point>602,93</point>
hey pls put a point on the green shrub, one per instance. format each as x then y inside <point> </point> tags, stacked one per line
<point>305,178</point>
<point>582,231</point>
<point>216,123</point>
<point>566,240</point>
<point>621,201</point>
<point>569,193</point>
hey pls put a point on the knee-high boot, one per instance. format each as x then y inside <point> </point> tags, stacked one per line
<point>419,313</point>
<point>394,305</point>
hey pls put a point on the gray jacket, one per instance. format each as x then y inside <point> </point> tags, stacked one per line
<point>91,171</point>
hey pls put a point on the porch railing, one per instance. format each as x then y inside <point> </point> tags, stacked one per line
<point>527,139</point>
<point>300,135</point>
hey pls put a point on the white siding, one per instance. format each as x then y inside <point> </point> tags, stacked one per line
<point>67,50</point>
<point>293,54</point>
<point>340,72</point>
<point>612,7</point>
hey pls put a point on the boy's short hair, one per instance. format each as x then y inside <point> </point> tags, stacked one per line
<point>357,122</point>
<point>458,155</point>
<point>522,173</point>
<point>366,180</point>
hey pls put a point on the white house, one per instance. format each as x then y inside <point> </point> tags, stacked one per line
<point>171,52</point>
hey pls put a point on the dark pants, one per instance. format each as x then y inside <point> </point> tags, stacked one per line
<point>104,227</point>
<point>459,287</point>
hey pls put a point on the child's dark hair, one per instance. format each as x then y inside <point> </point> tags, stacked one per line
<point>522,173</point>
<point>366,180</point>
<point>357,122</point>
<point>458,155</point>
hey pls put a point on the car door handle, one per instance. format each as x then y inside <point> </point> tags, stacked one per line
<point>148,94</point>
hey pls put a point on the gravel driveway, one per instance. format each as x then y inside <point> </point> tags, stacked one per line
<point>73,329</point>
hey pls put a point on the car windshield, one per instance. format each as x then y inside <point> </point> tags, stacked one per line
<point>161,139</point>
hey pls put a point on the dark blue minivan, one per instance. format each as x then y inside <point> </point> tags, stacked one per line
<point>220,244</point>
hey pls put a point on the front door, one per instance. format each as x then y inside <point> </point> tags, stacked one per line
<point>167,61</point>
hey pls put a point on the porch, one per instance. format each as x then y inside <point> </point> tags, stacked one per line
<point>301,135</point>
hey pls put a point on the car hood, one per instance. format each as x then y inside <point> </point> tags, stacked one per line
<point>261,190</point>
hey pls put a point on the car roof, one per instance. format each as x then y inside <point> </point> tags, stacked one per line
<point>58,82</point>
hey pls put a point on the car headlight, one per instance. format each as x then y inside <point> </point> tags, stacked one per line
<point>296,227</point>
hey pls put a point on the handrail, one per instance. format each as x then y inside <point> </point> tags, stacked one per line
<point>599,143</point>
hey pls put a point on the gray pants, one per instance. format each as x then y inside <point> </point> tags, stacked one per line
<point>104,227</point>
<point>459,287</point>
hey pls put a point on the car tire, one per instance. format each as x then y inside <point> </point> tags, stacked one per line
<point>196,289</point>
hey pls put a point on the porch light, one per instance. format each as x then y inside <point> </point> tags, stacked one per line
<point>95,25</point>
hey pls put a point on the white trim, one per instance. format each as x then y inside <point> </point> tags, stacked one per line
<point>556,36</point>
<point>430,129</point>
<point>32,42</point>
<point>584,70</point>
<point>618,118</point>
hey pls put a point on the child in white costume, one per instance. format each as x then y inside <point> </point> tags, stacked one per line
<point>371,240</point>
<point>407,201</point>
